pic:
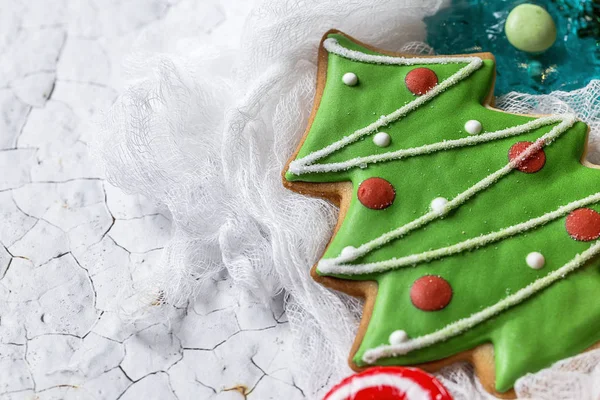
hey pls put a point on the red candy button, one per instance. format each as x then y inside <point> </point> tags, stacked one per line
<point>389,383</point>
<point>420,80</point>
<point>430,293</point>
<point>583,224</point>
<point>376,193</point>
<point>531,164</point>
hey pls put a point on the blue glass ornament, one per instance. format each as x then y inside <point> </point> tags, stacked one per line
<point>469,26</point>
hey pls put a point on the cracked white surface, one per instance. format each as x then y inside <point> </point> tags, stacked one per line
<point>72,244</point>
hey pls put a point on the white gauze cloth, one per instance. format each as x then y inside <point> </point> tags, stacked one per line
<point>205,127</point>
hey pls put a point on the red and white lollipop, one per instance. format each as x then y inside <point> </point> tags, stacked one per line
<point>389,383</point>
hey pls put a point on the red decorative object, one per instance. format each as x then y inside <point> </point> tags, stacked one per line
<point>420,80</point>
<point>376,193</point>
<point>531,164</point>
<point>389,383</point>
<point>430,293</point>
<point>583,224</point>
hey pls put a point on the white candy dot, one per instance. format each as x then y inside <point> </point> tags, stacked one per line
<point>473,127</point>
<point>398,337</point>
<point>439,205</point>
<point>535,260</point>
<point>382,139</point>
<point>348,251</point>
<point>350,78</point>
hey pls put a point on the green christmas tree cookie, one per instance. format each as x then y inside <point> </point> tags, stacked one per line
<point>477,226</point>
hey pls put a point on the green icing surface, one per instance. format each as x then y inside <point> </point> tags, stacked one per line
<point>558,322</point>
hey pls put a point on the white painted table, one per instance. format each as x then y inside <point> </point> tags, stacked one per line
<point>71,242</point>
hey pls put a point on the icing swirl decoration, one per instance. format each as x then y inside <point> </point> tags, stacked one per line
<point>389,383</point>
<point>461,220</point>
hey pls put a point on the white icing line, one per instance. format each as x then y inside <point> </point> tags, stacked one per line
<point>469,244</point>
<point>431,148</point>
<point>406,386</point>
<point>333,46</point>
<point>458,327</point>
<point>299,166</point>
<point>329,265</point>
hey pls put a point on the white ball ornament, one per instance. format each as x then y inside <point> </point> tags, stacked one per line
<point>473,127</point>
<point>439,204</point>
<point>535,260</point>
<point>398,337</point>
<point>382,139</point>
<point>350,78</point>
<point>348,251</point>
